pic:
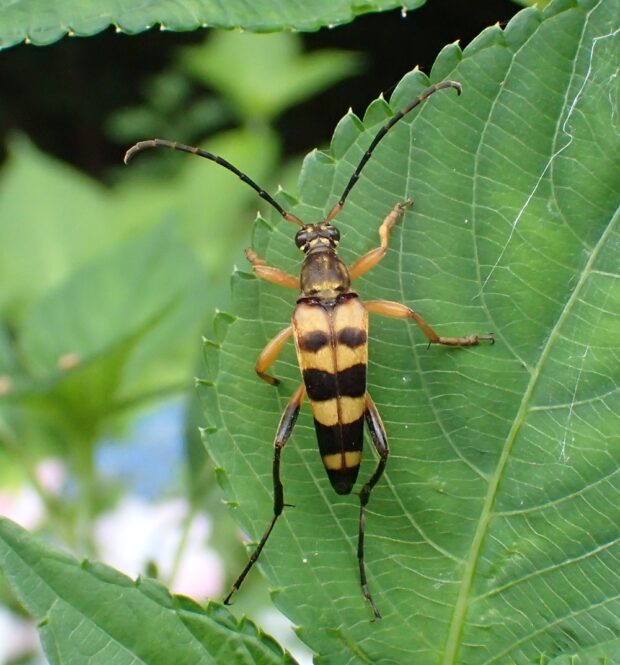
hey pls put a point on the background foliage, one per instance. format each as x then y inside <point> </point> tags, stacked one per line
<point>497,514</point>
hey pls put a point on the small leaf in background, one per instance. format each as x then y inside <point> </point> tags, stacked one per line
<point>271,74</point>
<point>271,71</point>
<point>493,537</point>
<point>170,109</point>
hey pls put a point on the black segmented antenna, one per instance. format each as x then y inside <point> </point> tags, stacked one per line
<point>382,132</point>
<point>163,143</point>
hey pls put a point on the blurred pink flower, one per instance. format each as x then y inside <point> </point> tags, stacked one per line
<point>18,637</point>
<point>52,474</point>
<point>22,505</point>
<point>137,532</point>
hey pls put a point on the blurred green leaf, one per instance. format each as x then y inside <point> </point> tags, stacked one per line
<point>170,109</point>
<point>196,118</point>
<point>271,71</point>
<point>207,201</point>
<point>94,306</point>
<point>493,536</point>
<point>91,613</point>
<point>41,23</point>
<point>52,220</point>
<point>116,304</point>
<point>541,4</point>
<point>272,74</point>
<point>79,395</point>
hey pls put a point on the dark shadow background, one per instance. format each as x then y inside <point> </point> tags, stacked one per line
<point>60,95</point>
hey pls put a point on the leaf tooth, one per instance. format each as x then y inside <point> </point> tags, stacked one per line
<point>560,6</point>
<point>522,26</point>
<point>447,61</point>
<point>345,135</point>
<point>491,36</point>
<point>408,87</point>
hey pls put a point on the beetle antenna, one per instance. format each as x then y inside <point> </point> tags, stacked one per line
<point>163,143</point>
<point>382,132</point>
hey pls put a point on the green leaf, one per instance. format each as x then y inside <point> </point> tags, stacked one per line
<point>213,225</point>
<point>88,338</point>
<point>541,4</point>
<point>493,535</point>
<point>271,72</point>
<point>43,236</point>
<point>40,23</point>
<point>94,307</point>
<point>90,613</point>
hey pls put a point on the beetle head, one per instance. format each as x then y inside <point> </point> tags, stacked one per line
<point>317,237</point>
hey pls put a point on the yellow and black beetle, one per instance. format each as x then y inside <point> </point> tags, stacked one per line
<point>330,330</point>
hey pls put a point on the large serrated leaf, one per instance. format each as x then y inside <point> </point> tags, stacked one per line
<point>90,613</point>
<point>493,536</point>
<point>43,21</point>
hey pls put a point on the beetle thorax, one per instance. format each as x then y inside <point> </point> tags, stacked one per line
<point>324,274</point>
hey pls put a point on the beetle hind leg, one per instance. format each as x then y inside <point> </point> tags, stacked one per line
<point>379,439</point>
<point>283,434</point>
<point>397,310</point>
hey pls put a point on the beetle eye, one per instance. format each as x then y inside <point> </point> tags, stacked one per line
<point>301,238</point>
<point>333,233</point>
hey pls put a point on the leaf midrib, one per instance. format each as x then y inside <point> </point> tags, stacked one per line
<point>461,606</point>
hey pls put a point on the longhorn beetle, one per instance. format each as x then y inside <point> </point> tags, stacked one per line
<point>330,330</point>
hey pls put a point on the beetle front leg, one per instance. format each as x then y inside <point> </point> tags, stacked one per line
<point>379,438</point>
<point>283,434</point>
<point>396,310</point>
<point>263,270</point>
<point>370,260</point>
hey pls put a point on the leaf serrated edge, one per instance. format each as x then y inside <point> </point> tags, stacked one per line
<point>150,588</point>
<point>192,21</point>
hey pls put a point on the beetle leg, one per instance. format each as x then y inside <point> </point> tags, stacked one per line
<point>379,438</point>
<point>285,428</point>
<point>269,273</point>
<point>398,311</point>
<point>269,354</point>
<point>370,260</point>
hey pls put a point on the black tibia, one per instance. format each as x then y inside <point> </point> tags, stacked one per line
<point>285,428</point>
<point>379,438</point>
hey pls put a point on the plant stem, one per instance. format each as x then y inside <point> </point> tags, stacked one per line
<point>182,544</point>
